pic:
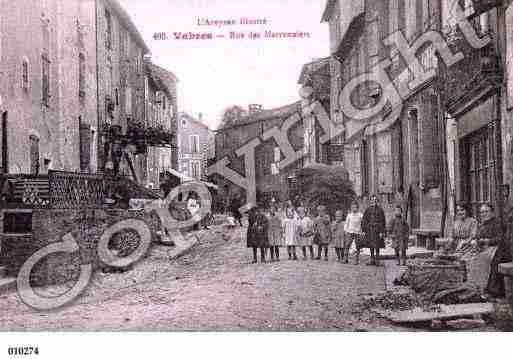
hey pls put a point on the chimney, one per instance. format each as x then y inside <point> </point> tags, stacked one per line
<point>200,117</point>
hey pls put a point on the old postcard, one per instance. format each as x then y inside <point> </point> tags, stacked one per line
<point>255,165</point>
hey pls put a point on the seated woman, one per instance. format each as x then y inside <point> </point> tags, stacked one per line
<point>464,230</point>
<point>490,236</point>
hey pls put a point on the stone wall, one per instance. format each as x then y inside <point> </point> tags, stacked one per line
<point>50,226</point>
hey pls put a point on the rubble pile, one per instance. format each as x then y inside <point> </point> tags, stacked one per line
<point>391,301</point>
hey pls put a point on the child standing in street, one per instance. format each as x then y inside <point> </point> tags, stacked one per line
<point>257,234</point>
<point>353,229</point>
<point>306,232</point>
<point>290,233</point>
<point>399,230</point>
<point>322,227</point>
<point>275,233</point>
<point>337,235</point>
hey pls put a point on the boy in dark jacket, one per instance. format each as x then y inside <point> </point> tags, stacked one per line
<point>399,230</point>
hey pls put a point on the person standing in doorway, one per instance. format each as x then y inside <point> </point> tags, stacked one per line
<point>374,227</point>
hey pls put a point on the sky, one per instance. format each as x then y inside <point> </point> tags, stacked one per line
<point>218,73</point>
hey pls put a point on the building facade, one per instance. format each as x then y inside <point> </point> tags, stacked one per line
<point>446,139</point>
<point>395,153</point>
<point>121,89</point>
<point>48,86</point>
<point>161,113</point>
<point>271,180</point>
<point>473,93</point>
<point>315,81</point>
<point>193,142</point>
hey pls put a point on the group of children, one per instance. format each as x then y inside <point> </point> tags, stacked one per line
<point>292,229</point>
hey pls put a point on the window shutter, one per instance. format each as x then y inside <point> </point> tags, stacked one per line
<point>85,146</point>
<point>430,143</point>
<point>364,166</point>
<point>384,161</point>
<point>397,158</point>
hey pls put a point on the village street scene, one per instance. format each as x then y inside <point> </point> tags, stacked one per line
<point>359,180</point>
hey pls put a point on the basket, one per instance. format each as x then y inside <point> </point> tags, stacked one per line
<point>433,275</point>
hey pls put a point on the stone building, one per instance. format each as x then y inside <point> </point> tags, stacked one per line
<point>270,179</point>
<point>474,93</point>
<point>121,89</point>
<point>48,86</point>
<point>315,86</point>
<point>396,152</point>
<point>505,31</point>
<point>161,113</point>
<point>72,87</point>
<point>193,143</point>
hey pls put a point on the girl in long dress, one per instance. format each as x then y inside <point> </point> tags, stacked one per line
<point>275,233</point>
<point>290,234</point>
<point>306,232</point>
<point>257,235</point>
<point>322,225</point>
<point>338,235</point>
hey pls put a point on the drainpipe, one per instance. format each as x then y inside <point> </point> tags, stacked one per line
<point>5,157</point>
<point>99,136</point>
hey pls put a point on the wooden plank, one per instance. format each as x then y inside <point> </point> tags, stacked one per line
<point>445,312</point>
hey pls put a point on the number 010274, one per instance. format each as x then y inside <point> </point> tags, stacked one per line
<point>22,351</point>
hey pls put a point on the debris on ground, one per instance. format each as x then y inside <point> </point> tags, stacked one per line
<point>465,324</point>
<point>390,301</point>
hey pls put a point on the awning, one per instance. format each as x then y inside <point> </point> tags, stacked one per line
<point>185,178</point>
<point>384,124</point>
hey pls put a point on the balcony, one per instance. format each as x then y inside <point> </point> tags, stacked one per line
<point>476,76</point>
<point>154,135</point>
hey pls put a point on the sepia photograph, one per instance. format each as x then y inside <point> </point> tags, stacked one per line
<point>265,166</point>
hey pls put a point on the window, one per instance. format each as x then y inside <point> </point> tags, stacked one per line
<point>384,161</point>
<point>128,100</point>
<point>397,22</point>
<point>127,45</point>
<point>194,143</point>
<point>45,65</point>
<point>108,35</point>
<point>365,171</point>
<point>46,36</point>
<point>81,76</point>
<point>195,169</point>
<point>34,155</point>
<point>25,74</point>
<point>480,166</point>
<point>85,138</point>
<point>109,80</point>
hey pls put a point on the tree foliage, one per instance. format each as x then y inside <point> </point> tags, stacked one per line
<point>326,185</point>
<point>231,115</point>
